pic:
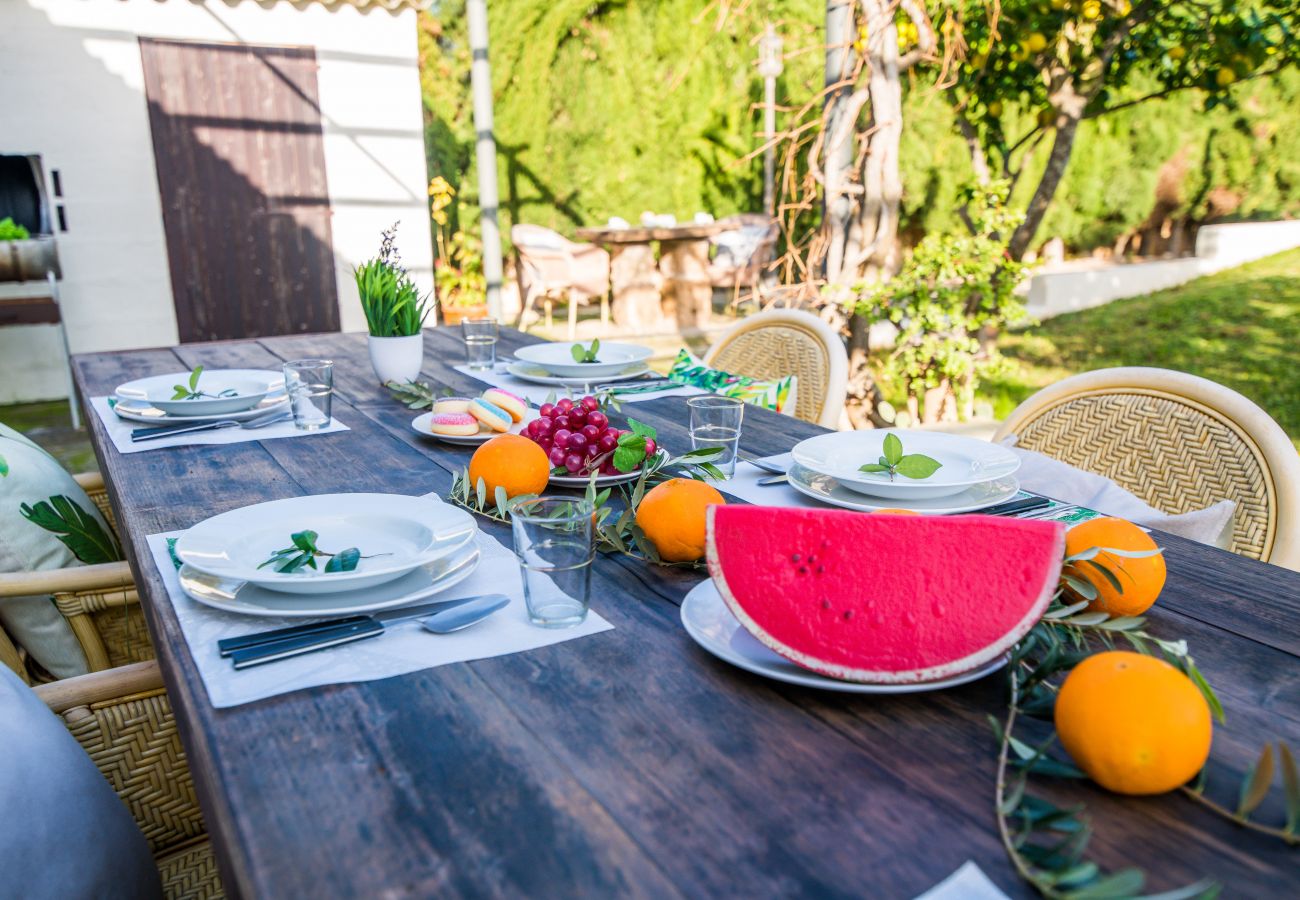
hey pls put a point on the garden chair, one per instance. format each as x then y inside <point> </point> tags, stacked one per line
<point>99,602</point>
<point>781,342</point>
<point>123,720</point>
<point>1178,442</point>
<point>742,253</point>
<point>551,267</point>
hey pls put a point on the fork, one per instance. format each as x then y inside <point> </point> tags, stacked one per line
<point>766,466</point>
<point>149,434</point>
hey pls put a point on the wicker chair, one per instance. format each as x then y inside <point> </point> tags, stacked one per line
<point>123,720</point>
<point>100,603</point>
<point>781,342</point>
<point>1177,441</point>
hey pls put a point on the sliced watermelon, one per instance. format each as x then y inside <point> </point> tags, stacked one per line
<point>883,599</point>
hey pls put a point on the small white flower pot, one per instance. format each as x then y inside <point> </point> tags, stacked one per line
<point>397,358</point>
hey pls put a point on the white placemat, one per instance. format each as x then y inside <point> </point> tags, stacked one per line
<point>745,485</point>
<point>538,393</point>
<point>968,883</point>
<point>404,648</point>
<point>120,432</point>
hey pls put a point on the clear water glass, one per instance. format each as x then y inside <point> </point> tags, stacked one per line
<point>715,423</point>
<point>480,343</point>
<point>310,386</point>
<point>555,545</point>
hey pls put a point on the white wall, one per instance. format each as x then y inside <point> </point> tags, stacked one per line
<point>74,93</point>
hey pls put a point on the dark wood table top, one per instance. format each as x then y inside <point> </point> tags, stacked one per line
<point>640,234</point>
<point>633,763</point>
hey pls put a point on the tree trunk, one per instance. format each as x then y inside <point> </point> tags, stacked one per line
<point>838,134</point>
<point>1066,128</point>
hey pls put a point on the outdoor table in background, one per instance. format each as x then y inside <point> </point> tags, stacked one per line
<point>632,763</point>
<point>635,278</point>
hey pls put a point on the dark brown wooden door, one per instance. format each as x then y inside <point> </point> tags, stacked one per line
<point>241,169</point>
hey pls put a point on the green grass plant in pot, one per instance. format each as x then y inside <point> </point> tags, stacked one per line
<point>395,313</point>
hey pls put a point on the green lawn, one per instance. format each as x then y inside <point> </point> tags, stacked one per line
<point>1240,328</point>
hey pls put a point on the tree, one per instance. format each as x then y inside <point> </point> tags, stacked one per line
<point>1059,62</point>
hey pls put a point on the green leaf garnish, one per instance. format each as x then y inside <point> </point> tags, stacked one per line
<point>583,354</point>
<point>304,552</point>
<point>894,462</point>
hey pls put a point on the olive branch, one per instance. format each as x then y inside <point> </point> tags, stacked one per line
<point>1047,844</point>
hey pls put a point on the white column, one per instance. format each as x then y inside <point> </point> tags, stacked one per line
<point>485,150</point>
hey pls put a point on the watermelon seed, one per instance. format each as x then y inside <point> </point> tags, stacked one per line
<point>795,558</point>
<point>826,604</point>
<point>812,558</point>
<point>848,614</point>
<point>821,569</point>
<point>803,570</point>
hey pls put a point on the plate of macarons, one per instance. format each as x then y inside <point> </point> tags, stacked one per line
<point>473,420</point>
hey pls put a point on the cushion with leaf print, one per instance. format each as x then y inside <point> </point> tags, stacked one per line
<point>48,522</point>
<point>777,394</point>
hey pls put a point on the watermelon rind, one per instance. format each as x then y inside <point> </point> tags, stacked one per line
<point>949,669</point>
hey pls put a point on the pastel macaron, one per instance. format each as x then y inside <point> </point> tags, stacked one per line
<point>492,416</point>
<point>514,405</point>
<point>461,424</point>
<point>451,405</point>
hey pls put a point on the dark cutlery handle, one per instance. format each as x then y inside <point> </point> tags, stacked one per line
<point>1015,507</point>
<point>144,434</point>
<point>228,646</point>
<point>297,646</point>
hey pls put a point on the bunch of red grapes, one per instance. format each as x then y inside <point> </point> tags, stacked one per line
<point>577,436</point>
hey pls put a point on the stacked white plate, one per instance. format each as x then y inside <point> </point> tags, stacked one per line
<point>973,474</point>
<point>553,364</point>
<point>411,548</point>
<point>235,394</point>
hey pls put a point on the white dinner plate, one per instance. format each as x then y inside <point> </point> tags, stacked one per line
<point>535,375</point>
<point>396,532</point>
<point>235,596</point>
<point>971,499</point>
<point>249,385</point>
<point>966,461</point>
<point>133,411</point>
<point>556,358</point>
<point>421,425</point>
<point>711,625</point>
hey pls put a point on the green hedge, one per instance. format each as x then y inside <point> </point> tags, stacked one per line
<point>613,108</point>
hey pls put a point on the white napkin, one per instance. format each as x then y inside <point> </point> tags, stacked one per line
<point>1042,474</point>
<point>120,431</point>
<point>405,648</point>
<point>745,485</point>
<point>537,393</point>
<point>968,883</point>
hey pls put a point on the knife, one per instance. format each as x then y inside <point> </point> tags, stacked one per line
<point>283,643</point>
<point>161,431</point>
<point>1015,507</point>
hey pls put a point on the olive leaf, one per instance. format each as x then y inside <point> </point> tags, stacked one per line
<point>1290,787</point>
<point>894,462</point>
<point>1254,788</point>
<point>303,553</point>
<point>79,531</point>
<point>344,560</point>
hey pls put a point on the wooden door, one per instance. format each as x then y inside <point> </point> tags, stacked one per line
<point>241,169</point>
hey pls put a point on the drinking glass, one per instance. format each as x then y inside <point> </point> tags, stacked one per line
<point>310,386</point>
<point>480,343</point>
<point>554,545</point>
<point>715,422</point>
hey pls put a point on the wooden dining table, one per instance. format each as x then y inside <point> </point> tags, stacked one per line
<point>631,762</point>
<point>676,291</point>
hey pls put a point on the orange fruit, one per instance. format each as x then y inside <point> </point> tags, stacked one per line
<point>510,461</point>
<point>890,511</point>
<point>1135,724</point>
<point>1141,578</point>
<point>672,515</point>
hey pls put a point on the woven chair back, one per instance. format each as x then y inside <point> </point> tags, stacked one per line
<point>1179,442</point>
<point>782,342</point>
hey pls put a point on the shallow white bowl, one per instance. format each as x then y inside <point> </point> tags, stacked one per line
<point>557,358</point>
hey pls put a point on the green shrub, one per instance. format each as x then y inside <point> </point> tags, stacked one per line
<point>12,231</point>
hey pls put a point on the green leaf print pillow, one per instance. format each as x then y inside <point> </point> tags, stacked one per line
<point>777,395</point>
<point>47,522</point>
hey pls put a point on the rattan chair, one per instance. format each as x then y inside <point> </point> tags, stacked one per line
<point>123,720</point>
<point>1177,441</point>
<point>100,603</point>
<point>781,342</point>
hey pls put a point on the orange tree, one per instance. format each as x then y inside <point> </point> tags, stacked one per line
<point>1035,69</point>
